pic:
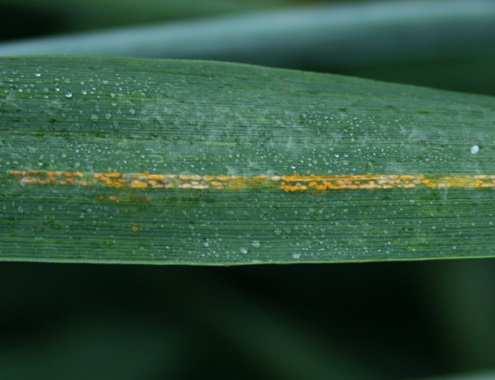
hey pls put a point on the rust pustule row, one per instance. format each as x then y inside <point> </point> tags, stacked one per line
<point>292,183</point>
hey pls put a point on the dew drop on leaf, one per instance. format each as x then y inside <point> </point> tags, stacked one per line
<point>255,243</point>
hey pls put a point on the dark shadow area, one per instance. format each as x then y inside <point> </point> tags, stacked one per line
<point>389,319</point>
<point>35,22</point>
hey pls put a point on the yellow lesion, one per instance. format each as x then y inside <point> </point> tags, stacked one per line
<point>291,183</point>
<point>349,182</point>
<point>111,179</point>
<point>49,177</point>
<point>465,182</point>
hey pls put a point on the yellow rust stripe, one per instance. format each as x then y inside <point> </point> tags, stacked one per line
<point>291,183</point>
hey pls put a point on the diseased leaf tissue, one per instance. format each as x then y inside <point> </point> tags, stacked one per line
<point>177,162</point>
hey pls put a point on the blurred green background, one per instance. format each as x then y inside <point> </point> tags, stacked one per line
<point>366,321</point>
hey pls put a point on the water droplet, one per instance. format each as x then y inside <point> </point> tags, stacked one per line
<point>255,243</point>
<point>475,149</point>
<point>244,251</point>
<point>37,75</point>
<point>68,94</point>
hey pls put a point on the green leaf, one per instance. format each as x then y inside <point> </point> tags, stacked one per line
<point>77,15</point>
<point>183,162</point>
<point>341,36</point>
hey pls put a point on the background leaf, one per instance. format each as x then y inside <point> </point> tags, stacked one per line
<point>52,16</point>
<point>426,42</point>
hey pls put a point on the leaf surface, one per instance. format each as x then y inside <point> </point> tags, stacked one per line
<point>180,162</point>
